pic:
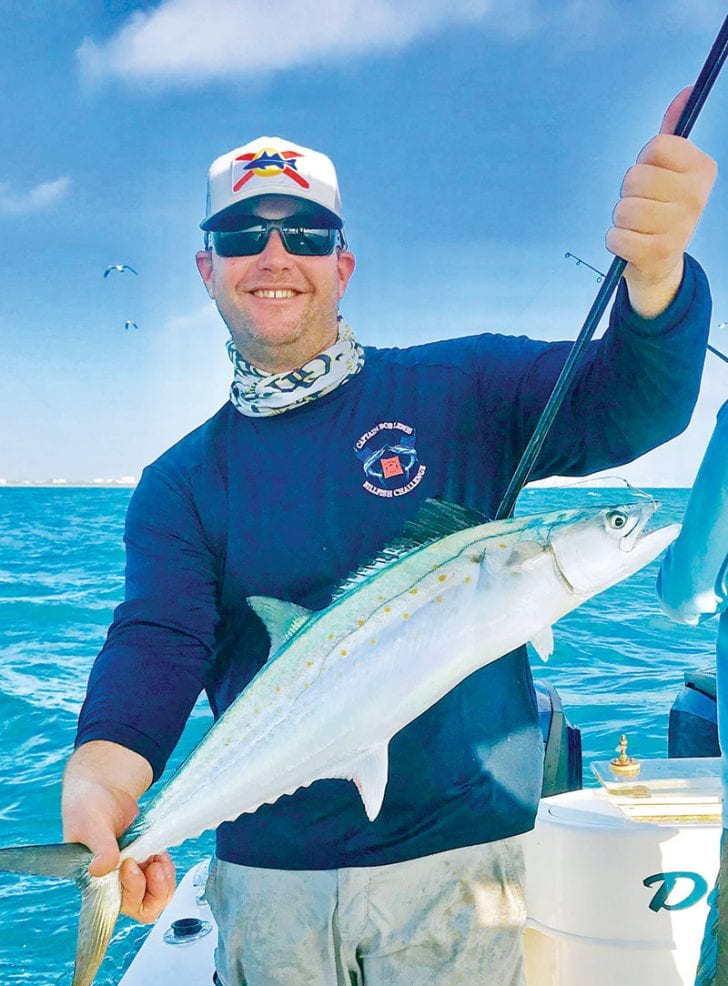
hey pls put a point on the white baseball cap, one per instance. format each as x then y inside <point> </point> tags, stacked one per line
<point>269,166</point>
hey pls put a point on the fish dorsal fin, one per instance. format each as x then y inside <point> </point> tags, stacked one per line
<point>435,519</point>
<point>282,619</point>
<point>369,772</point>
<point>543,643</point>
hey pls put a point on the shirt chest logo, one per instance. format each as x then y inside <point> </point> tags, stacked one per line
<point>389,459</point>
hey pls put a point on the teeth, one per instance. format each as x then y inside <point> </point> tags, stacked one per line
<point>285,293</point>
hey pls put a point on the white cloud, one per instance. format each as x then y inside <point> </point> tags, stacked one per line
<point>196,40</point>
<point>38,197</point>
<point>190,42</point>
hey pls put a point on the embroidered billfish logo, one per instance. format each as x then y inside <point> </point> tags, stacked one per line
<point>267,163</point>
<point>390,464</point>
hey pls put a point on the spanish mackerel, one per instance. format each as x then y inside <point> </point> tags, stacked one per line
<point>452,595</point>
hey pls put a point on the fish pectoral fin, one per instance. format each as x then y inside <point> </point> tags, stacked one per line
<point>100,906</point>
<point>281,619</point>
<point>506,558</point>
<point>543,643</point>
<point>369,772</point>
<point>525,554</point>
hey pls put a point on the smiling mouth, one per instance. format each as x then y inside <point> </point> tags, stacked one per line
<point>278,293</point>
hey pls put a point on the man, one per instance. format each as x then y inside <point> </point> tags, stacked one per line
<point>323,453</point>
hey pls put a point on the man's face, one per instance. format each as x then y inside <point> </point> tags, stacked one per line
<point>280,308</point>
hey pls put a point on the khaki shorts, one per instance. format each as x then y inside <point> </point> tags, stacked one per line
<point>452,918</point>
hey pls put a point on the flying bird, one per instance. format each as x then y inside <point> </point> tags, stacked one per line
<point>120,268</point>
<point>130,325</point>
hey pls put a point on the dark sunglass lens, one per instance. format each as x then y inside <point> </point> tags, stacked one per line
<point>240,242</point>
<point>307,242</point>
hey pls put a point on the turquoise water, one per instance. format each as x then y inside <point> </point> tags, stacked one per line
<point>618,665</point>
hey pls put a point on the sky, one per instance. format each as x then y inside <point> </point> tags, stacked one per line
<point>476,143</point>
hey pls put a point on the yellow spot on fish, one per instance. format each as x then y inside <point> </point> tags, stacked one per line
<point>413,592</point>
<point>441,578</point>
<point>387,609</point>
<point>468,579</point>
<point>360,623</point>
<point>373,640</point>
<point>331,636</point>
<point>405,616</point>
<point>502,545</point>
<point>309,664</point>
<point>278,688</point>
<point>305,684</point>
<point>380,599</point>
<point>343,653</point>
<point>439,599</point>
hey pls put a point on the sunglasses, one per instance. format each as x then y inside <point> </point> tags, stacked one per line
<point>302,241</point>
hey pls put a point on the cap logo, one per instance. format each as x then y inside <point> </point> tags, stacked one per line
<point>267,163</point>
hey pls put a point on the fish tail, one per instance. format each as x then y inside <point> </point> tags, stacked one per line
<point>100,906</point>
<point>100,897</point>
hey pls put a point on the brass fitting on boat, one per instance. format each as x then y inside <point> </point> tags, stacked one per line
<point>624,765</point>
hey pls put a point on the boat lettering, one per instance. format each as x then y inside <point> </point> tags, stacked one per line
<point>669,883</point>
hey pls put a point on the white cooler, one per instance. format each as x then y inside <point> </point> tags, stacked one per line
<point>617,881</point>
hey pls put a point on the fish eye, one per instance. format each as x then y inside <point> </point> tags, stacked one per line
<point>616,520</point>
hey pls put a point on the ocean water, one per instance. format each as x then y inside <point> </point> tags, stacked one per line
<point>618,664</point>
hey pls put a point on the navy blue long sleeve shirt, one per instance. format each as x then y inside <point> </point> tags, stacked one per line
<point>287,506</point>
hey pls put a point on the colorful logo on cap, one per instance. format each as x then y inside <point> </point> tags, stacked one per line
<point>267,163</point>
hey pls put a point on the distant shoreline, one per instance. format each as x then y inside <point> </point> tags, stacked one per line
<point>113,484</point>
<point>71,484</point>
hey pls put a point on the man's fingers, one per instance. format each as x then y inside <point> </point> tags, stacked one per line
<point>662,197</point>
<point>134,886</point>
<point>649,181</point>
<point>672,114</point>
<point>673,154</point>
<point>645,216</point>
<point>160,883</point>
<point>643,249</point>
<point>147,889</point>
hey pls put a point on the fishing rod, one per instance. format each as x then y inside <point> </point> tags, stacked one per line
<point>583,263</point>
<point>704,83</point>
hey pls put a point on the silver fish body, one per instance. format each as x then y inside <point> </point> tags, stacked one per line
<point>336,690</point>
<point>450,598</point>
